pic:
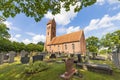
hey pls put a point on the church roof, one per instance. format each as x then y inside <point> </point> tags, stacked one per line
<point>71,37</point>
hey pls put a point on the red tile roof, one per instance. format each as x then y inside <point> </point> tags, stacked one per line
<point>72,37</point>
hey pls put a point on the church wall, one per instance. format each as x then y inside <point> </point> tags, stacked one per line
<point>65,48</point>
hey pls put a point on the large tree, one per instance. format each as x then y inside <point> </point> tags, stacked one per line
<point>111,40</point>
<point>37,8</point>
<point>92,45</point>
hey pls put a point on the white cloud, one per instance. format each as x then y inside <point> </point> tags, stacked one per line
<point>113,1</point>
<point>72,29</point>
<point>64,30</point>
<point>104,25</point>
<point>30,33</point>
<point>38,38</point>
<point>35,39</point>
<point>13,39</point>
<point>115,7</point>
<point>26,41</point>
<point>64,17</point>
<point>101,2</point>
<point>11,26</point>
<point>17,35</point>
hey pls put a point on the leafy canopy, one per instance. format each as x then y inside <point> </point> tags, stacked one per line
<point>4,31</point>
<point>37,8</point>
<point>92,44</point>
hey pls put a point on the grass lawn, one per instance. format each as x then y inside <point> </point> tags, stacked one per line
<point>14,71</point>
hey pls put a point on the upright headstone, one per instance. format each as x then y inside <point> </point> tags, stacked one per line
<point>116,60</point>
<point>1,58</point>
<point>69,65</point>
<point>37,58</point>
<point>25,60</point>
<point>23,53</point>
<point>6,56</point>
<point>70,70</point>
<point>79,57</point>
<point>53,56</point>
<point>11,56</point>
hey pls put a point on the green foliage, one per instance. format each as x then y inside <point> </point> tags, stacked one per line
<point>40,43</point>
<point>36,67</point>
<point>92,44</point>
<point>111,40</point>
<point>4,31</point>
<point>5,45</point>
<point>2,19</point>
<point>103,51</point>
<point>37,8</point>
<point>34,47</point>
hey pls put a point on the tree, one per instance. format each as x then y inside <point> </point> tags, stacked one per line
<point>111,40</point>
<point>2,19</point>
<point>92,45</point>
<point>4,31</point>
<point>37,8</point>
<point>40,43</point>
<point>5,45</point>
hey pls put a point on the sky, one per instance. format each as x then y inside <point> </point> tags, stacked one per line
<point>96,20</point>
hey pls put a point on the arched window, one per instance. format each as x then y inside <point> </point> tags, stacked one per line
<point>48,33</point>
<point>50,47</point>
<point>73,46</point>
<point>58,48</point>
<point>66,46</point>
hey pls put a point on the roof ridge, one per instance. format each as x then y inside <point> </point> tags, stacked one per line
<point>69,33</point>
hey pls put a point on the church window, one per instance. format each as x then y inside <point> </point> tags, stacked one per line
<point>73,46</point>
<point>48,33</point>
<point>65,46</point>
<point>58,47</point>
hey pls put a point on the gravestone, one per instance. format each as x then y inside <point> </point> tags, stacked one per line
<point>23,53</point>
<point>37,58</point>
<point>25,60</point>
<point>116,59</point>
<point>70,70</point>
<point>53,56</point>
<point>1,58</point>
<point>79,58</point>
<point>11,56</point>
<point>69,65</point>
<point>6,56</point>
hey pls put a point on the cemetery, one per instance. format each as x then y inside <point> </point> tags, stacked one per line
<point>62,40</point>
<point>66,67</point>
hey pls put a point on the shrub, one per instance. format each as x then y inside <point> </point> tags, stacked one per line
<point>36,67</point>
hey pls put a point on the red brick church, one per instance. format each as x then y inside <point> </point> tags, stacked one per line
<point>72,43</point>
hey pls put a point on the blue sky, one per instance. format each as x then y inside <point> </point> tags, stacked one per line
<point>96,20</point>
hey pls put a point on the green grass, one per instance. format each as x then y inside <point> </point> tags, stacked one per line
<point>15,71</point>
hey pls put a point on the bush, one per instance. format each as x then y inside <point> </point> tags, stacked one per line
<point>36,67</point>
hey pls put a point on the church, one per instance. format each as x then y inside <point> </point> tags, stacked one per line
<point>72,43</point>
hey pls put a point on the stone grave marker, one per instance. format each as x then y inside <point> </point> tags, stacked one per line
<point>116,59</point>
<point>1,58</point>
<point>11,56</point>
<point>6,56</point>
<point>25,60</point>
<point>53,56</point>
<point>79,57</point>
<point>37,58</point>
<point>24,53</point>
<point>70,70</point>
<point>69,65</point>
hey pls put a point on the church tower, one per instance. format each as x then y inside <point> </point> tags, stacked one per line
<point>50,31</point>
